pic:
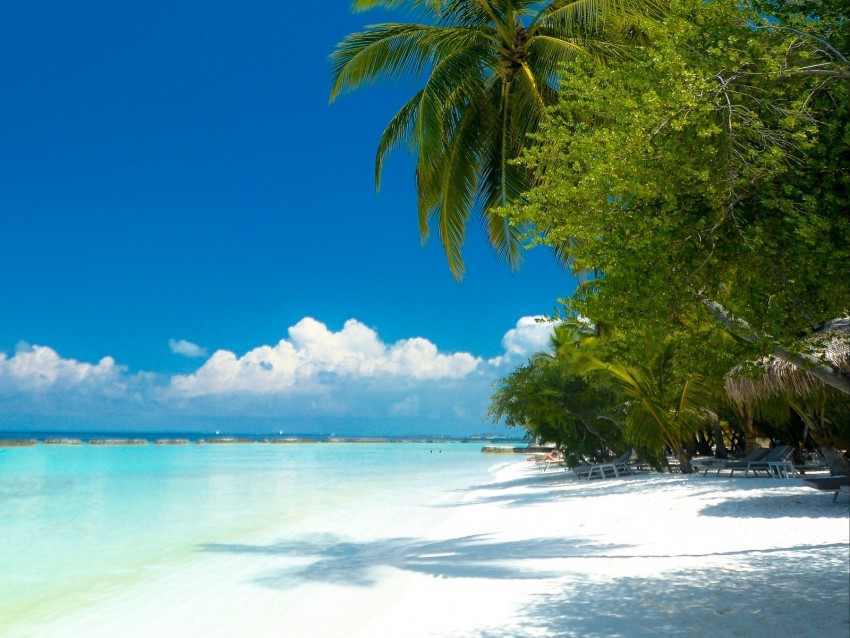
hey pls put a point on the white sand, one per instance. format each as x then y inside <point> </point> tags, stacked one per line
<point>531,555</point>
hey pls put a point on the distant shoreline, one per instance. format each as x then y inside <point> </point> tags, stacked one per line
<point>26,439</point>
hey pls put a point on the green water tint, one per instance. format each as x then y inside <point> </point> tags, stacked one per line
<point>83,522</point>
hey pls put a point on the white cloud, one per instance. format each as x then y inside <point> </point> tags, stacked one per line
<point>315,379</point>
<point>38,368</point>
<point>313,354</point>
<point>530,335</point>
<point>406,407</point>
<point>186,348</point>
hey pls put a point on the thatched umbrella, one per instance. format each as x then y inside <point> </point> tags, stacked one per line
<point>830,342</point>
<point>783,380</point>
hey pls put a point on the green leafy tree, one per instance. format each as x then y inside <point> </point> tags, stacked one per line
<point>703,184</point>
<point>490,67</point>
<point>553,402</point>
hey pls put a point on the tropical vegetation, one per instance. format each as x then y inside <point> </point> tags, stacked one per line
<point>692,169</point>
<point>555,403</point>
<point>703,182</point>
<point>490,69</point>
<point>583,397</point>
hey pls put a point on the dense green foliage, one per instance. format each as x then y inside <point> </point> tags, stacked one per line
<point>710,166</point>
<point>664,409</point>
<point>692,167</point>
<point>555,403</point>
<point>700,190</point>
<point>593,409</point>
<point>490,69</point>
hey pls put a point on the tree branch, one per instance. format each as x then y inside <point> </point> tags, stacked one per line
<point>827,373</point>
<point>831,48</point>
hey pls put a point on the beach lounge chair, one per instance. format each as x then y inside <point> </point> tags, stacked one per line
<point>549,459</point>
<point>836,484</point>
<point>616,468</point>
<point>777,464</point>
<point>756,455</point>
<point>537,458</point>
<point>555,463</point>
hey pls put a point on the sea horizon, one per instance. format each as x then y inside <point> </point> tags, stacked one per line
<point>151,436</point>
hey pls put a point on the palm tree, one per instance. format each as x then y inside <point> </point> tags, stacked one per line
<point>491,68</point>
<point>665,408</point>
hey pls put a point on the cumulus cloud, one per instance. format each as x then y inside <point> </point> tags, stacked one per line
<point>186,348</point>
<point>530,335</point>
<point>315,379</point>
<point>39,368</point>
<point>313,354</point>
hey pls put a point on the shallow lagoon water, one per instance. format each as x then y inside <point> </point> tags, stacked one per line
<point>83,523</point>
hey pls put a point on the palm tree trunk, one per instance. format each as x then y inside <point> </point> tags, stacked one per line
<point>684,457</point>
<point>838,465</point>
<point>720,451</point>
<point>824,437</point>
<point>750,436</point>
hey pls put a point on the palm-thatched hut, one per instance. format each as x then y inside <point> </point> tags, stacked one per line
<point>805,393</point>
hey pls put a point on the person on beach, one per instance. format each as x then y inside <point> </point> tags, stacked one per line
<point>548,457</point>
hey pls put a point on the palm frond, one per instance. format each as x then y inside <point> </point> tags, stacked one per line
<point>530,95</point>
<point>448,181</point>
<point>510,53</point>
<point>643,429</point>
<point>459,172</point>
<point>573,17</point>
<point>549,53</point>
<point>453,85</point>
<point>577,16</point>
<point>429,7</point>
<point>663,406</point>
<point>501,181</point>
<point>396,131</point>
<point>385,51</point>
<point>477,12</point>
<point>506,239</point>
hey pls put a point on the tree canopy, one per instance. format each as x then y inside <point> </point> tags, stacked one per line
<point>708,170</point>
<point>699,188</point>
<point>554,402</point>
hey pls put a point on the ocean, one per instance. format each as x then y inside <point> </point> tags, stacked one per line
<point>85,524</point>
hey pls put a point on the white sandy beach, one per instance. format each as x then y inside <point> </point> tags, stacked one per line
<point>531,555</point>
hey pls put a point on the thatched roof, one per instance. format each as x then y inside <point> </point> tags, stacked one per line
<point>830,342</point>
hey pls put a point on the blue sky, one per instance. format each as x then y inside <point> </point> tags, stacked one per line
<point>174,186</point>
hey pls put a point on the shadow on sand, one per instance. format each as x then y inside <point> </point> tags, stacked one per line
<point>594,589</point>
<point>356,563</point>
<point>694,602</point>
<point>795,504</point>
<point>786,498</point>
<point>583,602</point>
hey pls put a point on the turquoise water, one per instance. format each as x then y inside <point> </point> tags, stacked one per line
<point>82,522</point>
